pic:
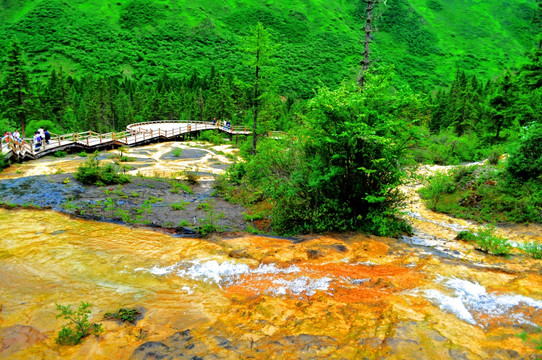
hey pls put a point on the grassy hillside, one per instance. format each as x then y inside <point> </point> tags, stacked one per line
<point>318,40</point>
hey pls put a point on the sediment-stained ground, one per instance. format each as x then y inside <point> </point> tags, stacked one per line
<point>338,296</point>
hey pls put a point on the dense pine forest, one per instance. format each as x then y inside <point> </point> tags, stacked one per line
<point>448,82</point>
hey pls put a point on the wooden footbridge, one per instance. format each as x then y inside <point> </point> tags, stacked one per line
<point>135,135</point>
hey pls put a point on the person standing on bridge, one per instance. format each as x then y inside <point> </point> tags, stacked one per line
<point>17,136</point>
<point>42,133</point>
<point>37,140</point>
<point>47,136</point>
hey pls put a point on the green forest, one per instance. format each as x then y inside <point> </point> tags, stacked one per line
<point>449,82</point>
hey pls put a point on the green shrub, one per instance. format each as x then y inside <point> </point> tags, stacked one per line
<point>79,327</point>
<point>494,155</point>
<point>178,205</point>
<point>82,154</point>
<point>124,315</point>
<point>177,152</point>
<point>525,161</point>
<point>438,184</point>
<point>92,173</point>
<point>534,249</point>
<point>487,240</point>
<point>213,136</point>
<point>204,206</point>
<point>192,177</point>
<point>60,154</point>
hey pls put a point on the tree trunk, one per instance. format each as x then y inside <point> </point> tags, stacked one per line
<point>254,134</point>
<point>21,111</point>
<point>201,105</point>
<point>365,62</point>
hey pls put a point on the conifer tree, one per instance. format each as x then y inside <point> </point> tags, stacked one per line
<point>16,90</point>
<point>260,48</point>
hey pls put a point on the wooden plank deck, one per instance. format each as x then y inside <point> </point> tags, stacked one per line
<point>135,135</point>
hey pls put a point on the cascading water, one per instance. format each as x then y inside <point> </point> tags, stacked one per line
<point>345,296</point>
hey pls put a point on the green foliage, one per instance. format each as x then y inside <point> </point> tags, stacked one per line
<point>124,315</point>
<point>487,240</point>
<point>191,176</point>
<point>438,184</point>
<point>91,172</point>
<point>179,205</point>
<point>204,206</point>
<point>525,161</point>
<point>183,223</point>
<point>79,326</point>
<point>341,171</point>
<point>215,137</point>
<point>484,193</point>
<point>60,154</point>
<point>177,186</point>
<point>534,249</point>
<point>3,162</point>
<point>177,152</point>
<point>495,155</point>
<point>82,154</point>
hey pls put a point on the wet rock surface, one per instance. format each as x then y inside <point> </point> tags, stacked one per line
<point>160,202</point>
<point>17,337</point>
<point>238,296</point>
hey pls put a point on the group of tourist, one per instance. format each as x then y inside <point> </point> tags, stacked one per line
<point>226,123</point>
<point>40,136</point>
<point>14,137</point>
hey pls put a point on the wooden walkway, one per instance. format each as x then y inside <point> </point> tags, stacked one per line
<point>135,135</point>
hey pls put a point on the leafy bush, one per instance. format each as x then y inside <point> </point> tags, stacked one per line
<point>495,155</point>
<point>340,171</point>
<point>525,161</point>
<point>487,240</point>
<point>90,172</point>
<point>192,177</point>
<point>213,136</point>
<point>79,327</point>
<point>124,315</point>
<point>438,184</point>
<point>60,154</point>
<point>485,193</point>
<point>534,249</point>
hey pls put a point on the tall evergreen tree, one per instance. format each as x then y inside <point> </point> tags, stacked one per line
<point>260,49</point>
<point>16,90</point>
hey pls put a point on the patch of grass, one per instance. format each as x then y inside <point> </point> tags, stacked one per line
<point>183,223</point>
<point>192,177</point>
<point>177,152</point>
<point>124,215</point>
<point>134,194</point>
<point>204,206</point>
<point>124,315</point>
<point>177,186</point>
<point>179,205</point>
<point>91,172</point>
<point>82,154</point>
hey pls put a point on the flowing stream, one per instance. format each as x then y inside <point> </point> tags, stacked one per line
<point>342,296</point>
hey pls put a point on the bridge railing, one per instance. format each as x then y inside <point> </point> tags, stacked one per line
<point>132,135</point>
